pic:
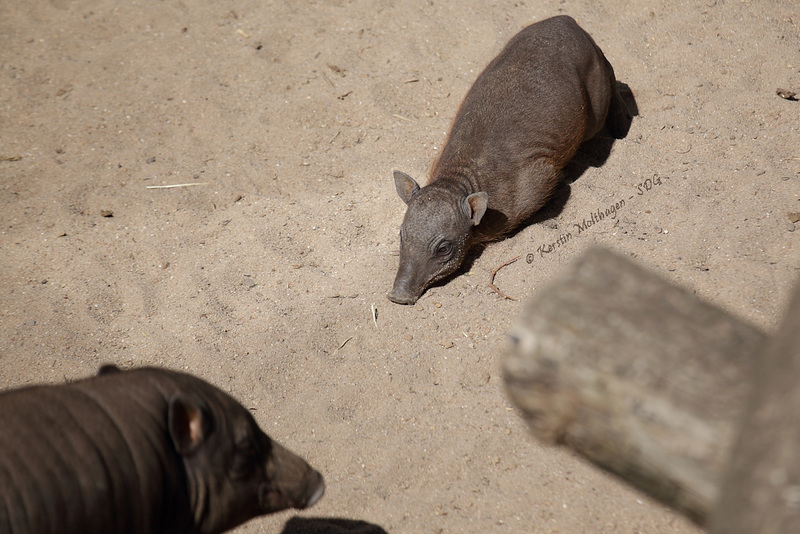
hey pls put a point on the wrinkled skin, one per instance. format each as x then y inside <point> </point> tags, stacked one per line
<point>435,236</point>
<point>235,471</point>
<point>142,451</point>
<point>526,115</point>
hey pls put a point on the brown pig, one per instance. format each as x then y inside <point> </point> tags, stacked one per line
<point>549,90</point>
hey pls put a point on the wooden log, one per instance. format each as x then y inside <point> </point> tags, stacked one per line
<point>637,375</point>
<point>761,491</point>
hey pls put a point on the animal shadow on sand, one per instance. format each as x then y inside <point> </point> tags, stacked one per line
<point>329,525</point>
<point>592,153</point>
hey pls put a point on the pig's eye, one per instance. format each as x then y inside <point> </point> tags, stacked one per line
<point>444,249</point>
<point>245,459</point>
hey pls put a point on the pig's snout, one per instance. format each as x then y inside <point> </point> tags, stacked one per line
<point>294,485</point>
<point>401,296</point>
<point>318,489</point>
<point>300,496</point>
<point>406,289</point>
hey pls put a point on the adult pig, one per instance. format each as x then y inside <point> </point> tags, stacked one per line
<point>141,451</point>
<point>549,90</point>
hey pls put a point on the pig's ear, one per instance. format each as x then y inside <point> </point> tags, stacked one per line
<point>108,369</point>
<point>188,424</point>
<point>406,186</point>
<point>475,206</point>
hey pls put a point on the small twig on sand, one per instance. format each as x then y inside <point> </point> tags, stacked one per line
<point>401,117</point>
<point>343,344</point>
<point>175,185</point>
<point>491,280</point>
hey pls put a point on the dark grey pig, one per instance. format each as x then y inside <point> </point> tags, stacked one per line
<point>549,90</point>
<point>142,451</point>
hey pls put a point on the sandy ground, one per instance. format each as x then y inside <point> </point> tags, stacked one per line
<point>290,117</point>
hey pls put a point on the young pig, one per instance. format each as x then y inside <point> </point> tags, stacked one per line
<point>548,91</point>
<point>144,451</point>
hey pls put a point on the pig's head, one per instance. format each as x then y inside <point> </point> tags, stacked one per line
<point>235,472</point>
<point>436,233</point>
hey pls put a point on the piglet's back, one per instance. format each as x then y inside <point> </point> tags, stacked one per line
<point>546,92</point>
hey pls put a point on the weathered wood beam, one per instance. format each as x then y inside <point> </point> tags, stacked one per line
<point>761,491</point>
<point>637,375</point>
